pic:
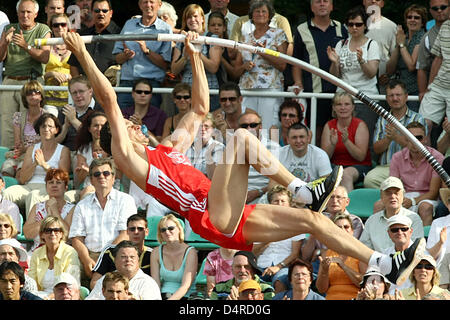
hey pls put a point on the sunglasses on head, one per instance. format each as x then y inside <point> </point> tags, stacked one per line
<point>102,10</point>
<point>355,24</point>
<point>414,17</point>
<point>395,230</point>
<point>59,24</point>
<point>252,125</point>
<point>133,229</point>
<point>171,228</point>
<point>436,8</point>
<point>51,230</point>
<point>426,266</point>
<point>147,92</point>
<point>224,99</point>
<point>179,97</point>
<point>99,173</point>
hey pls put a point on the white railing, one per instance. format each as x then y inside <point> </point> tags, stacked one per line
<point>280,94</point>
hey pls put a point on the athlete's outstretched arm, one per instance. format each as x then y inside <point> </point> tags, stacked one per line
<point>183,137</point>
<point>121,145</point>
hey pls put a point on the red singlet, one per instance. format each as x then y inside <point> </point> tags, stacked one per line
<point>174,182</point>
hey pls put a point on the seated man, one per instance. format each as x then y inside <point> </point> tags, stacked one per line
<point>216,209</point>
<point>12,280</point>
<point>421,182</point>
<point>100,218</point>
<point>137,230</point>
<point>244,267</point>
<point>250,290</point>
<point>392,193</point>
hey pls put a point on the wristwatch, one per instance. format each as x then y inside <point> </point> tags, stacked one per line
<point>282,264</point>
<point>401,45</point>
<point>29,48</point>
<point>147,52</point>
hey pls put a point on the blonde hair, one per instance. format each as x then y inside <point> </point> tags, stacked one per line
<point>7,217</point>
<point>175,220</point>
<point>50,220</point>
<point>435,280</point>
<point>338,97</point>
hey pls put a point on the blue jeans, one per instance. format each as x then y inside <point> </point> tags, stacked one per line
<point>125,100</point>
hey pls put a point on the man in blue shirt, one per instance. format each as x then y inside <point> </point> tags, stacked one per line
<point>143,59</point>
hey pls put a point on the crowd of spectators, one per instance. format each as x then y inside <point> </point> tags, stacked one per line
<point>85,225</point>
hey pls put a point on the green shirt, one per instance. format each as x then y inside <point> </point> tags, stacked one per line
<point>225,288</point>
<point>18,62</point>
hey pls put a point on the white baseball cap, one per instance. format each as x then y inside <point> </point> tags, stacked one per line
<point>23,255</point>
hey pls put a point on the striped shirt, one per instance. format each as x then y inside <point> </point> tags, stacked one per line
<point>441,48</point>
<point>380,133</point>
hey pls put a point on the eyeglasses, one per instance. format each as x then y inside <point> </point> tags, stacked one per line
<point>419,137</point>
<point>5,225</point>
<point>355,24</point>
<point>30,92</point>
<point>178,97</point>
<point>171,228</point>
<point>51,230</point>
<point>146,92</point>
<point>252,125</point>
<point>288,115</point>
<point>402,229</point>
<point>338,198</point>
<point>414,17</point>
<point>346,226</point>
<point>301,275</point>
<point>426,266</point>
<point>99,173</point>
<point>59,24</point>
<point>102,10</point>
<point>436,8</point>
<point>75,93</point>
<point>224,99</point>
<point>133,229</point>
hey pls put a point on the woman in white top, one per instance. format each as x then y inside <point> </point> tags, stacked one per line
<point>39,158</point>
<point>56,182</point>
<point>355,60</point>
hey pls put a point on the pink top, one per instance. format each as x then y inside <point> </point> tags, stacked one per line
<point>216,266</point>
<point>414,179</point>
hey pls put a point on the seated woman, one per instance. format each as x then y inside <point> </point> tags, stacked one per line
<point>56,182</point>
<point>88,148</point>
<point>173,264</point>
<point>290,112</point>
<point>218,267</point>
<point>142,112</point>
<point>57,70</point>
<point>53,258</point>
<point>8,228</point>
<point>193,19</point>
<point>181,94</point>
<point>374,286</point>
<point>346,141</point>
<point>206,152</point>
<point>339,276</point>
<point>38,159</point>
<point>33,100</point>
<point>425,278</point>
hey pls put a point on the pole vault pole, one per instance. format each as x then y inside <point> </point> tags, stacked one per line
<point>293,61</point>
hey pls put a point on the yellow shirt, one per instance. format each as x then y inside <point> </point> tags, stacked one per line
<point>410,293</point>
<point>65,260</point>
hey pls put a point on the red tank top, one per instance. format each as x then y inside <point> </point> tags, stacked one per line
<point>341,156</point>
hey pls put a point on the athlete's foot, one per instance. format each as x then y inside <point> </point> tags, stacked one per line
<point>405,261</point>
<point>322,189</point>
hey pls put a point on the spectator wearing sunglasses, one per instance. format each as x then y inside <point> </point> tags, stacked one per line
<point>421,182</point>
<point>100,218</point>
<point>101,52</point>
<point>425,279</point>
<point>258,184</point>
<point>404,57</point>
<point>53,258</point>
<point>174,263</point>
<point>400,231</point>
<point>392,198</point>
<point>181,94</point>
<point>142,112</point>
<point>137,230</point>
<point>290,112</point>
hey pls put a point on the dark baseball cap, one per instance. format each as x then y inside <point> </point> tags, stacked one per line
<point>251,259</point>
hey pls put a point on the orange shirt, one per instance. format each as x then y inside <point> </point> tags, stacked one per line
<point>341,286</point>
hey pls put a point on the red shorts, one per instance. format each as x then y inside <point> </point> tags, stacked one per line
<point>174,182</point>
